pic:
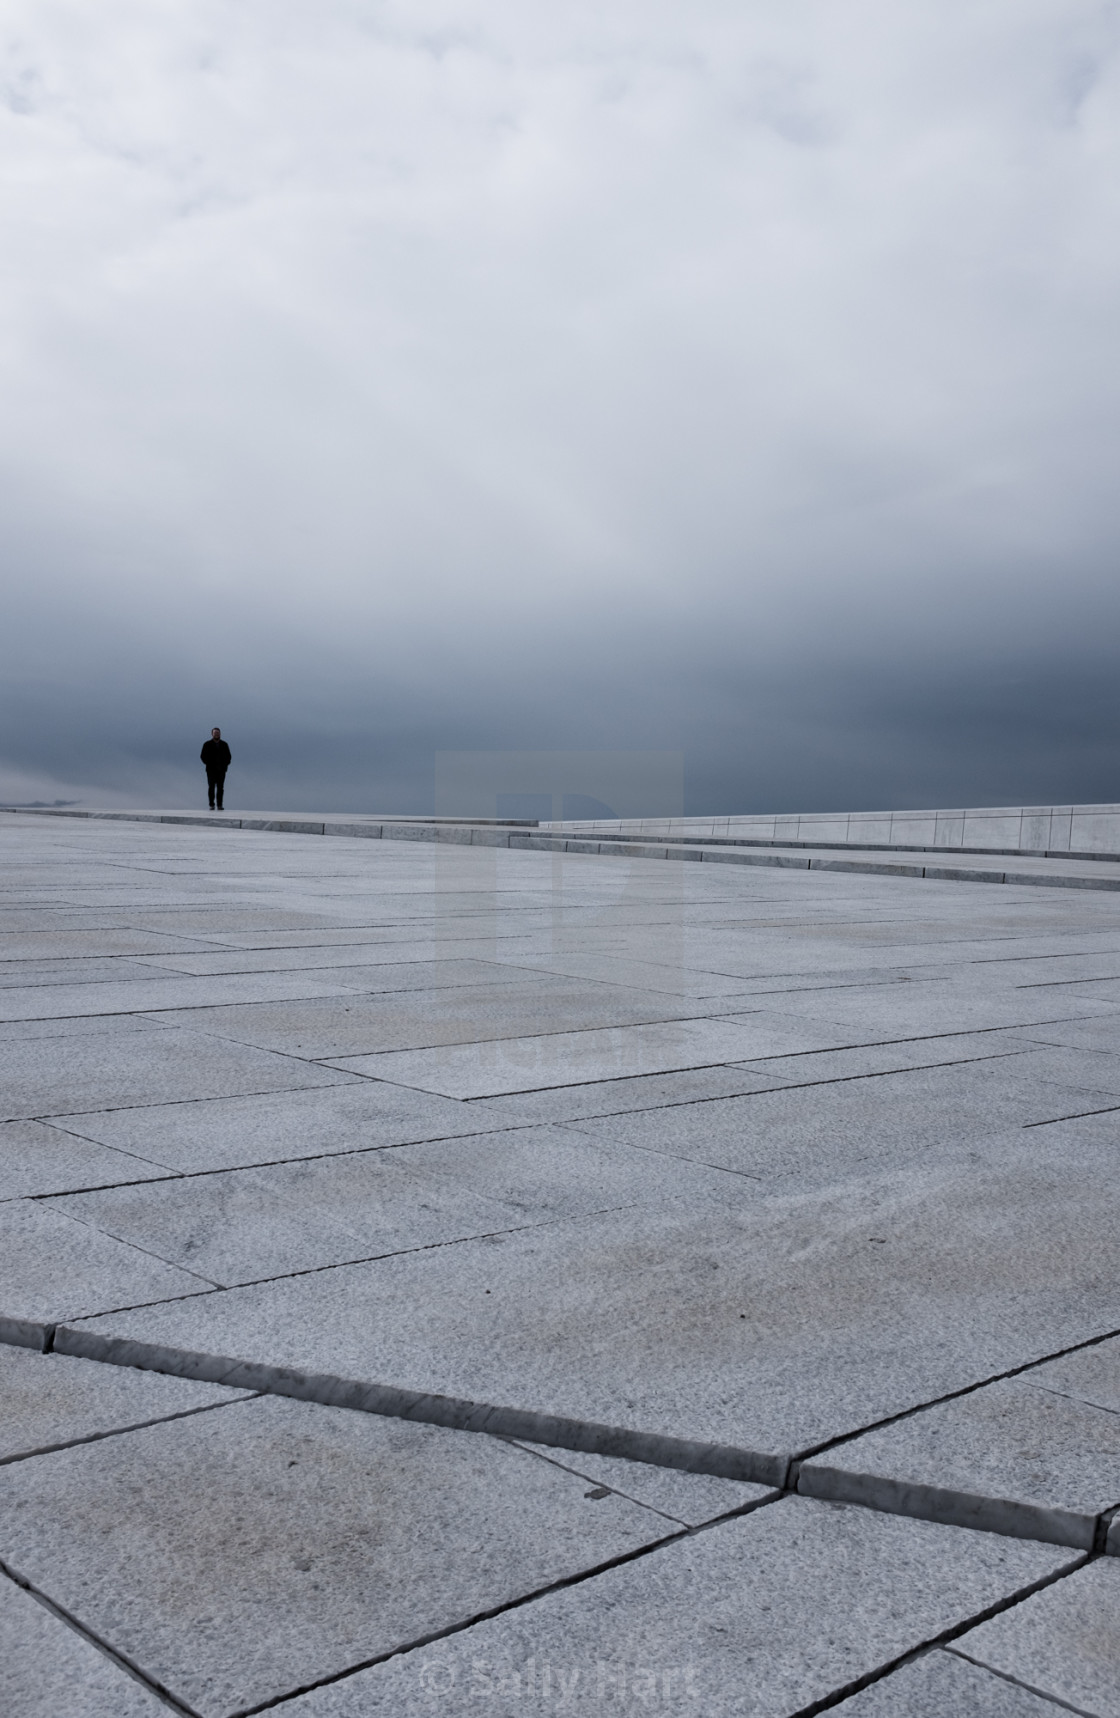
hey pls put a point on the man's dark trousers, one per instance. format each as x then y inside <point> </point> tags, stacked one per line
<point>215,786</point>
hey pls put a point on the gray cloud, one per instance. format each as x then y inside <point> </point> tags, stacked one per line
<point>381,380</point>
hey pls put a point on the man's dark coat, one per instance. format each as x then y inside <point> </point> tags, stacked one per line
<point>216,755</point>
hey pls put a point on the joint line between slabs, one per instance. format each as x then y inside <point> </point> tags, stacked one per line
<point>52,1118</point>
<point>701,1067</point>
<point>571,1122</point>
<point>1015,1682</point>
<point>1057,983</point>
<point>827,1701</point>
<point>460,1627</point>
<point>113,1654</point>
<point>121,1431</point>
<point>798,1461</point>
<point>515,1604</point>
<point>146,1252</point>
<point>270,1162</point>
<point>288,1276</point>
<point>723,1097</point>
<point>1081,1115</point>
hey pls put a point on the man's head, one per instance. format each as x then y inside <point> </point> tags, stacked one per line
<point>215,733</point>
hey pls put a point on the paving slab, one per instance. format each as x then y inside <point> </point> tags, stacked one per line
<point>899,1011</point>
<point>475,1070</point>
<point>1094,1071</point>
<point>240,1226</point>
<point>51,1400</point>
<point>147,994</point>
<point>53,1268</point>
<point>247,1225</point>
<point>72,935</point>
<point>1091,1375</point>
<point>772,1032</point>
<point>414,942</point>
<point>759,1617</point>
<point>546,1172</point>
<point>355,963</point>
<point>689,1499</point>
<point>610,1097</point>
<point>78,970</point>
<point>85,1026</point>
<point>211,923</point>
<point>1104,990</point>
<point>1064,1642</point>
<point>859,1060</point>
<point>49,1670</point>
<point>675,978</point>
<point>36,1158</point>
<point>238,1555</point>
<point>111,1071</point>
<point>1096,1032</point>
<point>943,1685</point>
<point>1009,1458</point>
<point>1059,968</point>
<point>802,1137</point>
<point>336,1027</point>
<point>854,975</point>
<point>229,1133</point>
<point>773,1326</point>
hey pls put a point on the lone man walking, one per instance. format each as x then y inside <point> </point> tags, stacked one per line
<point>217,756</point>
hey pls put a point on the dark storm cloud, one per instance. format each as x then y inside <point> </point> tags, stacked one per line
<point>383,380</point>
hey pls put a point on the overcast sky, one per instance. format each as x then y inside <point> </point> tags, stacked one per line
<point>734,375</point>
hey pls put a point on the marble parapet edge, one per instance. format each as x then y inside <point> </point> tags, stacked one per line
<point>608,845</point>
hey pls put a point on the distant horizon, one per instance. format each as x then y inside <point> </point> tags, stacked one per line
<point>483,817</point>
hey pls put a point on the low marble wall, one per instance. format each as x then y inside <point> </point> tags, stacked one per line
<point>1009,829</point>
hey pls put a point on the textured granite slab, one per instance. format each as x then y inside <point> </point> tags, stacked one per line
<point>1009,1458</point>
<point>473,1070</point>
<point>918,1009</point>
<point>116,1071</point>
<point>147,994</point>
<point>757,1618</point>
<point>799,1137</point>
<point>610,1097</point>
<point>22,974</point>
<point>944,1685</point>
<point>245,1225</point>
<point>36,1158</point>
<point>239,1554</point>
<point>357,1025</point>
<point>50,1400</point>
<point>52,1267</point>
<point>1063,1643</point>
<point>775,1325</point>
<point>48,1669</point>
<point>348,1114</point>
<point>689,1499</point>
<point>1092,1375</point>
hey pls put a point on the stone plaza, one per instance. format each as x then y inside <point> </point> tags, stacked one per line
<point>472,1270</point>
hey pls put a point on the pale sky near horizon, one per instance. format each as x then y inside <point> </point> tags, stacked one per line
<point>738,376</point>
